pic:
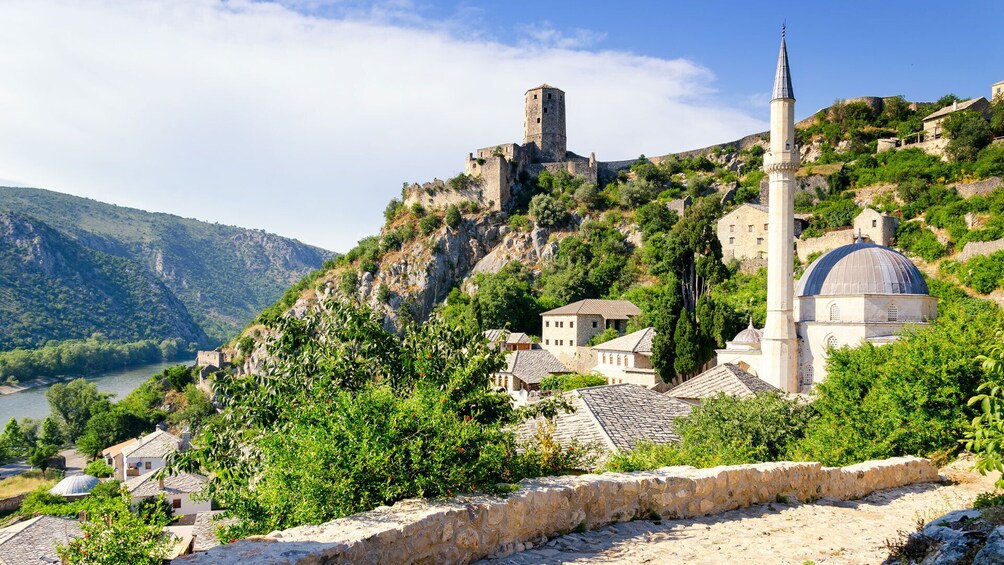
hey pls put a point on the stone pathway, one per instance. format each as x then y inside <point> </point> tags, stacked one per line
<point>826,531</point>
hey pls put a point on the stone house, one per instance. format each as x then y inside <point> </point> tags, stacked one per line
<point>35,540</point>
<point>215,359</point>
<point>722,379</point>
<point>743,232</point>
<point>616,417</point>
<point>932,123</point>
<point>876,227</point>
<point>526,368</point>
<point>113,457</point>
<point>627,359</point>
<point>573,325</point>
<point>149,453</point>
<point>177,490</point>
<point>505,340</point>
<point>997,90</point>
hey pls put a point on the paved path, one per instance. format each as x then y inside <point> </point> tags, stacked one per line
<point>827,531</point>
<point>75,464</point>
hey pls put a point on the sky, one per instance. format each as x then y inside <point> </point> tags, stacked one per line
<point>305,117</point>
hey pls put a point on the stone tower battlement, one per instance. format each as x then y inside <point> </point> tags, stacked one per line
<point>544,123</point>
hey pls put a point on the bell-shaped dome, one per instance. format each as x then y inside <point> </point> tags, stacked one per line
<point>749,335</point>
<point>861,268</point>
<point>75,485</point>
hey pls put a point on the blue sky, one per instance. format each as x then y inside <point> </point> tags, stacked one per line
<point>304,117</point>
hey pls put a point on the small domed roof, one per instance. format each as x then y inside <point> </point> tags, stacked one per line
<point>749,335</point>
<point>75,485</point>
<point>861,268</point>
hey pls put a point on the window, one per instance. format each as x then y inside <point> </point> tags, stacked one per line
<point>759,241</point>
<point>831,342</point>
<point>534,96</point>
<point>732,241</point>
<point>147,465</point>
<point>732,228</point>
<point>834,312</point>
<point>594,323</point>
<point>787,145</point>
<point>547,323</point>
<point>176,503</point>
<point>572,343</point>
<point>751,228</point>
<point>571,324</point>
<point>892,313</point>
<point>545,109</point>
<point>548,95</point>
<point>547,342</point>
<point>618,360</point>
<point>807,376</point>
<point>538,120</point>
<point>874,223</point>
<point>765,227</point>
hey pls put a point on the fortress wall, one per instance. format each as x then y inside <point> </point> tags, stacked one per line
<point>822,244</point>
<point>977,248</point>
<point>463,530</point>
<point>983,187</point>
<point>438,195</point>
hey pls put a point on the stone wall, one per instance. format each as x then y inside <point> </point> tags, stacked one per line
<point>977,248</point>
<point>438,194</point>
<point>11,503</point>
<point>970,189</point>
<point>822,244</point>
<point>464,530</point>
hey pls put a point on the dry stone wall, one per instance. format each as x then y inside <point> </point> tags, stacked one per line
<point>465,530</point>
<point>978,248</point>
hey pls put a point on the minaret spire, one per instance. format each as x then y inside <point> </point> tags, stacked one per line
<point>779,346</point>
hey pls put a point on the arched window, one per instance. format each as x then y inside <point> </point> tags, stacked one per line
<point>834,312</point>
<point>893,313</point>
<point>831,342</point>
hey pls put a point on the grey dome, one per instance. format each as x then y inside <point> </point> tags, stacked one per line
<point>749,335</point>
<point>861,268</point>
<point>75,485</point>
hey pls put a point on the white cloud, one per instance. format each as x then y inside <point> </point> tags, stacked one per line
<point>261,116</point>
<point>545,35</point>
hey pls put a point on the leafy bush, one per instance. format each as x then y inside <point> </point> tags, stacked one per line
<point>453,217</point>
<point>393,209</point>
<point>604,336</point>
<point>519,222</point>
<point>417,210</point>
<point>547,211</point>
<point>98,468</point>
<point>635,193</point>
<point>429,224</point>
<point>984,274</point>
<point>349,283</point>
<point>383,293</point>
<point>985,435</point>
<point>570,382</point>
<point>913,237</point>
<point>968,133</point>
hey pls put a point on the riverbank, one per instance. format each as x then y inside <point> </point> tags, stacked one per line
<point>35,383</point>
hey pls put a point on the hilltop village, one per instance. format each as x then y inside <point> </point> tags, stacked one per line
<point>548,344</point>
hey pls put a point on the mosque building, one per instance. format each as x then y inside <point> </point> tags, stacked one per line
<point>861,292</point>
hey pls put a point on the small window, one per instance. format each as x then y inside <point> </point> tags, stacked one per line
<point>732,241</point>
<point>547,342</point>
<point>534,96</point>
<point>572,343</point>
<point>759,241</point>
<point>765,227</point>
<point>538,120</point>
<point>547,324</point>
<point>176,503</point>
<point>874,223</point>
<point>807,376</point>
<point>594,323</point>
<point>548,95</point>
<point>571,324</point>
<point>787,146</point>
<point>831,342</point>
<point>892,313</point>
<point>147,465</point>
<point>751,228</point>
<point>545,110</point>
<point>732,228</point>
<point>834,313</point>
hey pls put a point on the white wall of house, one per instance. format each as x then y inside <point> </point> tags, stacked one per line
<point>620,367</point>
<point>146,464</point>
<point>182,504</point>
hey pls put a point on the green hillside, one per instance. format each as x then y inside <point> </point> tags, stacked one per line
<point>224,275</point>
<point>54,289</point>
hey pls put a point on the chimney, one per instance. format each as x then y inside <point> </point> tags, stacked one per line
<point>955,105</point>
<point>82,516</point>
<point>160,483</point>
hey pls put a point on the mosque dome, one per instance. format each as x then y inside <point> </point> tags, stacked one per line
<point>861,268</point>
<point>750,335</point>
<point>75,485</point>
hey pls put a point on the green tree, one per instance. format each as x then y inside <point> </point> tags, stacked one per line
<point>98,468</point>
<point>547,211</point>
<point>349,283</point>
<point>968,132</point>
<point>13,438</point>
<point>985,435</point>
<point>71,403</point>
<point>505,300</point>
<point>687,359</point>
<point>453,216</point>
<point>50,433</point>
<point>41,455</point>
<point>664,317</point>
<point>117,536</point>
<point>429,224</point>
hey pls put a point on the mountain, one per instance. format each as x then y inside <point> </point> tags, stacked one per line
<point>223,275</point>
<point>53,288</point>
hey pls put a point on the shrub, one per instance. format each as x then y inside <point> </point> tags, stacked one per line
<point>519,222</point>
<point>604,336</point>
<point>429,224</point>
<point>394,207</point>
<point>383,293</point>
<point>349,284</point>
<point>453,217</point>
<point>984,274</point>
<point>99,469</point>
<point>635,193</point>
<point>418,210</point>
<point>570,382</point>
<point>968,133</point>
<point>985,435</point>
<point>547,211</point>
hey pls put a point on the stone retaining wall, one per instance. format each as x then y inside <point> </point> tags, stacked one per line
<point>11,503</point>
<point>970,189</point>
<point>977,248</point>
<point>464,530</point>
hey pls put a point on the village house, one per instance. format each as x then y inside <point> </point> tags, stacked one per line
<point>526,368</point>
<point>135,457</point>
<point>177,490</point>
<point>876,227</point>
<point>615,417</point>
<point>113,457</point>
<point>722,379</point>
<point>743,232</point>
<point>627,359</point>
<point>35,540</point>
<point>573,325</point>
<point>504,340</point>
<point>997,90</point>
<point>933,123</point>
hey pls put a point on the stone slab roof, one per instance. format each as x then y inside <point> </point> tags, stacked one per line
<point>532,365</point>
<point>727,378</point>
<point>148,484</point>
<point>627,414</point>
<point>34,541</point>
<point>609,309</point>
<point>494,336</point>
<point>114,450</point>
<point>952,108</point>
<point>637,342</point>
<point>156,444</point>
<point>205,528</point>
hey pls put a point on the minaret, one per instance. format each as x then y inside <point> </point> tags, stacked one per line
<point>779,346</point>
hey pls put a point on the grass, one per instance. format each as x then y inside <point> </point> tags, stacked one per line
<point>24,483</point>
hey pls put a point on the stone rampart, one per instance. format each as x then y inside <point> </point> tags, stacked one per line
<point>464,530</point>
<point>822,244</point>
<point>978,248</point>
<point>983,187</point>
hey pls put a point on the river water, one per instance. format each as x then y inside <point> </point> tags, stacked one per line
<point>32,402</point>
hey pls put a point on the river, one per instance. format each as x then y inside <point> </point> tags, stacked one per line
<point>32,402</point>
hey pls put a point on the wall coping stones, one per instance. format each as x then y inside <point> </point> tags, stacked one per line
<point>465,529</point>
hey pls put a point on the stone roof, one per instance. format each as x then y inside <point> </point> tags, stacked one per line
<point>34,541</point>
<point>627,414</point>
<point>205,528</point>
<point>952,108</point>
<point>148,484</point>
<point>749,335</point>
<point>75,485</point>
<point>114,450</point>
<point>861,268</point>
<point>532,365</point>
<point>545,85</point>
<point>782,78</point>
<point>727,378</point>
<point>636,342</point>
<point>494,336</point>
<point>156,444</point>
<point>609,309</point>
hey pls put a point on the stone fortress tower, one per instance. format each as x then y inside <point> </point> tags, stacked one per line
<point>780,341</point>
<point>544,123</point>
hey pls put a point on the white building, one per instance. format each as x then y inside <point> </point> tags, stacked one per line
<point>627,359</point>
<point>177,490</point>
<point>573,325</point>
<point>526,368</point>
<point>857,293</point>
<point>148,453</point>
